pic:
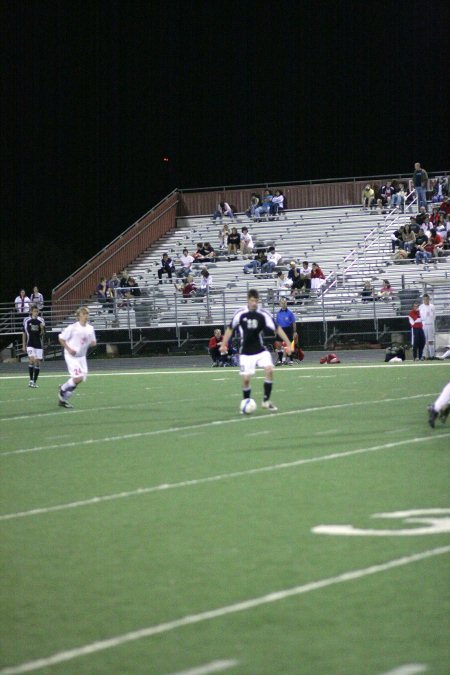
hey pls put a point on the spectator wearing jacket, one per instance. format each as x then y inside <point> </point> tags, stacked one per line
<point>277,204</point>
<point>317,277</point>
<point>420,182</point>
<point>417,334</point>
<point>167,267</point>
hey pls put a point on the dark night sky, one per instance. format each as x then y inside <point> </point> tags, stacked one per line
<point>95,94</point>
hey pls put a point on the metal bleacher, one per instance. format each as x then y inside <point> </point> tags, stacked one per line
<point>349,244</point>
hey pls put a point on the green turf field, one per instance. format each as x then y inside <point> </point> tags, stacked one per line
<point>155,530</point>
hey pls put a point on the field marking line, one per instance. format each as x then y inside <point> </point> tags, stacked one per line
<point>205,425</point>
<point>198,371</point>
<point>226,610</point>
<point>213,667</point>
<point>258,433</point>
<point>408,669</point>
<point>215,478</point>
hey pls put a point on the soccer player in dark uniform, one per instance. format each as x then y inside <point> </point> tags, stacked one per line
<point>250,324</point>
<point>33,331</point>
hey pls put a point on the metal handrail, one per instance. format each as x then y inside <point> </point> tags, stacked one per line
<point>354,179</point>
<point>120,236</point>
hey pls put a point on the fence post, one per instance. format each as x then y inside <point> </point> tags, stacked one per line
<point>177,327</point>
<point>325,324</point>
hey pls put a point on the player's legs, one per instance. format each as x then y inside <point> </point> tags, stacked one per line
<point>37,370</point>
<point>429,341</point>
<point>77,367</point>
<point>246,387</point>
<point>441,406</point>
<point>31,370</point>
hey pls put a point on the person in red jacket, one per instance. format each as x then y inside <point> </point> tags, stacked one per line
<point>418,336</point>
<point>317,277</point>
<point>214,346</point>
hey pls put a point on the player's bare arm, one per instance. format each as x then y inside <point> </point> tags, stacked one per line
<point>285,339</point>
<point>64,344</point>
<point>224,345</point>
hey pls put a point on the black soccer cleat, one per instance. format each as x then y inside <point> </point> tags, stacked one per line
<point>444,414</point>
<point>65,404</point>
<point>432,415</point>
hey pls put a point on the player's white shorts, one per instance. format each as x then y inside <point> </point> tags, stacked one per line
<point>429,331</point>
<point>35,353</point>
<point>76,365</point>
<point>249,362</point>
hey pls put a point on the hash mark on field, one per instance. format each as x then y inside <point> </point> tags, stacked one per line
<point>219,379</point>
<point>258,433</point>
<point>213,479</point>
<point>219,612</point>
<point>408,669</point>
<point>213,667</point>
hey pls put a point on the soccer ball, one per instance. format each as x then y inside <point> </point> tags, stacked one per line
<point>248,405</point>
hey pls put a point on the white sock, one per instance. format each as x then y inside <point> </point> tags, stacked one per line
<point>443,399</point>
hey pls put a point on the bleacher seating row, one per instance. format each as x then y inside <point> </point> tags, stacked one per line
<point>349,244</point>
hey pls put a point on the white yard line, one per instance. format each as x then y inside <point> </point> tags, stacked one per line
<point>169,371</point>
<point>213,479</point>
<point>193,619</point>
<point>408,669</point>
<point>213,667</point>
<point>257,433</point>
<point>203,425</point>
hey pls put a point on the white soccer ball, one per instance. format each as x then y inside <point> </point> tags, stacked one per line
<point>248,405</point>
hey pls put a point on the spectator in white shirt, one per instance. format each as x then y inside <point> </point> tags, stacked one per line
<point>22,304</point>
<point>273,258</point>
<point>284,285</point>
<point>246,242</point>
<point>277,204</point>
<point>37,298</point>
<point>428,315</point>
<point>186,261</point>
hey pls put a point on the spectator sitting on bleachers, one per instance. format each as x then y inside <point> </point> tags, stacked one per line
<point>398,198</point>
<point>446,246</point>
<point>283,284</point>
<point>199,252</point>
<point>367,293</point>
<point>435,244</point>
<point>305,273</point>
<point>257,262</point>
<point>265,205</point>
<point>385,292</point>
<point>209,254</point>
<point>167,267</point>
<point>114,283</point>
<point>440,189</point>
<point>255,201</point>
<point>422,214</point>
<point>414,224</point>
<point>440,225</point>
<point>234,242</point>
<point>187,287</point>
<point>186,261</point>
<point>206,282</point>
<point>368,197</point>
<point>408,238</point>
<point>104,294</point>
<point>445,206</point>
<point>133,288</point>
<point>386,193</point>
<point>246,242</point>
<point>223,209</point>
<point>273,259</point>
<point>295,276</point>
<point>277,203</point>
<point>421,254</point>
<point>317,277</point>
<point>397,239</point>
<point>223,236</point>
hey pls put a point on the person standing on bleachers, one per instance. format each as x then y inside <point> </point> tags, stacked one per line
<point>420,183</point>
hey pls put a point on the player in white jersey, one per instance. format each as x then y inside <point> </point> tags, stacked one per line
<point>428,316</point>
<point>76,340</point>
<point>441,407</point>
<point>250,323</point>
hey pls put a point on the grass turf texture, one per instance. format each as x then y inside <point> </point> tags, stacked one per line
<point>97,570</point>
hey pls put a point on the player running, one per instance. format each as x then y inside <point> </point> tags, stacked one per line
<point>250,323</point>
<point>33,332</point>
<point>76,340</point>
<point>441,407</point>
